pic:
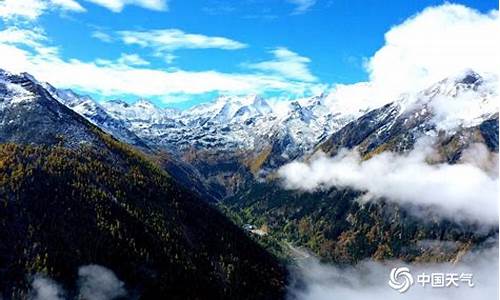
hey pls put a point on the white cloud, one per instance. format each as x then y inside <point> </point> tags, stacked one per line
<point>99,283</point>
<point>125,60</point>
<point>168,57</point>
<point>163,42</point>
<point>94,282</point>
<point>287,64</point>
<point>70,5</point>
<point>302,6</point>
<point>118,5</point>
<point>167,40</point>
<point>32,9</point>
<point>46,289</point>
<point>132,60</point>
<point>368,280</point>
<point>436,43</point>
<point>462,191</point>
<point>124,76</point>
<point>33,38</point>
<point>102,36</point>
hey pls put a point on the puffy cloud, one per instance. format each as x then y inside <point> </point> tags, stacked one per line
<point>132,60</point>
<point>32,9</point>
<point>435,43</point>
<point>124,60</point>
<point>118,5</point>
<point>438,42</point>
<point>33,38</point>
<point>288,64</point>
<point>46,289</point>
<point>70,5</point>
<point>463,191</point>
<point>116,79</point>
<point>94,282</point>
<point>166,40</point>
<point>124,76</point>
<point>99,283</point>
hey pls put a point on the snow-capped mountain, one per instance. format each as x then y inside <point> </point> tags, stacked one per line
<point>463,101</point>
<point>284,130</point>
<point>95,113</point>
<point>227,109</point>
<point>140,112</point>
<point>229,123</point>
<point>250,136</point>
<point>452,108</point>
<point>29,114</point>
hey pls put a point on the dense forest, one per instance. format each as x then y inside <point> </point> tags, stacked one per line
<point>340,229</point>
<point>62,208</point>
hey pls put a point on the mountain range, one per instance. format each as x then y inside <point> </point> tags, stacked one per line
<point>135,168</point>
<point>257,136</point>
<point>73,196</point>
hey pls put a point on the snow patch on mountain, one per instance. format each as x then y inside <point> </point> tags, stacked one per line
<point>12,92</point>
<point>95,113</point>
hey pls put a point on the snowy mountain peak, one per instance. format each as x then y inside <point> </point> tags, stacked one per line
<point>226,109</point>
<point>118,102</point>
<point>460,101</point>
<point>145,104</point>
<point>13,90</point>
<point>29,77</point>
<point>455,85</point>
<point>470,77</point>
<point>251,122</point>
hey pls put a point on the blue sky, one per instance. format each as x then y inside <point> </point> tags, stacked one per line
<point>312,44</point>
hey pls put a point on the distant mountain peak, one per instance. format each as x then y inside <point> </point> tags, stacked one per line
<point>118,102</point>
<point>29,77</point>
<point>469,77</point>
<point>144,103</point>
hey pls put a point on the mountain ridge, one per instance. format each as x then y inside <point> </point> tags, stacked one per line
<point>229,161</point>
<point>72,195</point>
<point>257,137</point>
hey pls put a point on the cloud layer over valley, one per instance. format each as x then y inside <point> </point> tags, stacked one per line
<point>369,280</point>
<point>467,190</point>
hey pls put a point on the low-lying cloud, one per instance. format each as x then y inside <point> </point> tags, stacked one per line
<point>466,191</point>
<point>94,283</point>
<point>369,280</point>
<point>44,288</point>
<point>99,283</point>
